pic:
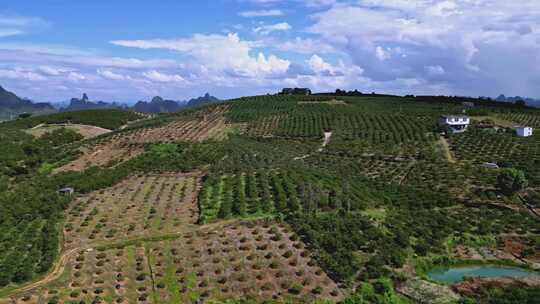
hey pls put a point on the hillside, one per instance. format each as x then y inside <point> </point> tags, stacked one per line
<point>11,106</point>
<point>271,198</point>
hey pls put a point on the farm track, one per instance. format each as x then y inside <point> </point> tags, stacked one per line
<point>446,150</point>
<point>57,271</point>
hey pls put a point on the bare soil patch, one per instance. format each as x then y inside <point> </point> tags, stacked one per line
<point>86,131</point>
<point>124,146</point>
<point>138,206</point>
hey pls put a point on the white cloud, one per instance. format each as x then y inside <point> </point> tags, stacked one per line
<point>18,74</point>
<point>261,13</point>
<point>382,54</point>
<point>473,39</point>
<point>435,70</point>
<point>318,65</point>
<point>267,29</point>
<point>74,76</point>
<point>301,45</point>
<point>110,75</point>
<point>52,71</point>
<point>224,53</point>
<point>162,77</point>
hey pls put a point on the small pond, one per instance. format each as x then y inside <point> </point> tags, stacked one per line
<point>457,274</point>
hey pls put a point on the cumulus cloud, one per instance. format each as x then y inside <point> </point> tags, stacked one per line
<point>466,35</point>
<point>225,53</point>
<point>318,65</point>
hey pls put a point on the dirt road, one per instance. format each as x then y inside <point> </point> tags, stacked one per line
<point>446,150</point>
<point>54,274</point>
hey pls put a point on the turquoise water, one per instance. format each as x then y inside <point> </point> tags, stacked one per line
<point>457,274</point>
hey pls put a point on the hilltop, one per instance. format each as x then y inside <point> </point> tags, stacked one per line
<point>271,198</point>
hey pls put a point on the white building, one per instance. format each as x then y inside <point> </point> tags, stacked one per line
<point>524,131</point>
<point>456,123</point>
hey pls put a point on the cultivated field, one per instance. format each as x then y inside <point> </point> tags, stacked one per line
<point>126,145</point>
<point>138,206</point>
<point>138,242</point>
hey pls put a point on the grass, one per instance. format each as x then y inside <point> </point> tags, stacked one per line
<point>171,281</point>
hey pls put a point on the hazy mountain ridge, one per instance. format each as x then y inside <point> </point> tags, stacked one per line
<point>160,105</point>
<point>13,105</point>
<point>84,103</point>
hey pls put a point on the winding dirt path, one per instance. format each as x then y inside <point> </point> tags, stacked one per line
<point>54,274</point>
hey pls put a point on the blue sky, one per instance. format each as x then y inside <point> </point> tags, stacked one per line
<point>52,50</point>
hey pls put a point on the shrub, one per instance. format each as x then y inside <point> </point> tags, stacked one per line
<point>296,289</point>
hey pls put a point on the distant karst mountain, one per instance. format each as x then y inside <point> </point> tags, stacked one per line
<point>156,105</point>
<point>12,105</point>
<point>160,105</point>
<point>84,103</point>
<point>207,98</point>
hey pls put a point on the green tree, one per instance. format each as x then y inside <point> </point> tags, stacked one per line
<point>511,180</point>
